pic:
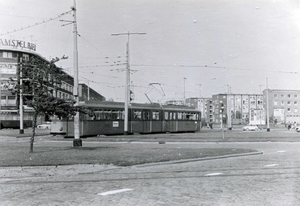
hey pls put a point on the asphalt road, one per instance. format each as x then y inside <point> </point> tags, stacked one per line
<point>271,178</point>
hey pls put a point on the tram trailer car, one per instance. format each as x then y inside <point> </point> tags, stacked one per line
<point>107,118</point>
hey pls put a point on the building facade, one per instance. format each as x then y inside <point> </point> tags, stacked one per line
<point>238,109</point>
<point>283,105</point>
<point>204,106</point>
<point>11,51</point>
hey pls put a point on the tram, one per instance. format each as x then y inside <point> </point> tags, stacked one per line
<point>11,119</point>
<point>107,118</point>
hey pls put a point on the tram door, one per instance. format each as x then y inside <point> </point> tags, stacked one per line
<point>173,122</point>
<point>146,121</point>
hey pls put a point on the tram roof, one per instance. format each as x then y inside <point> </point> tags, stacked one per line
<point>116,105</point>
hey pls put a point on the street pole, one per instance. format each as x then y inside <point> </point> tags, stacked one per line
<point>268,121</point>
<point>21,98</point>
<point>222,110</point>
<point>229,124</point>
<point>184,79</point>
<point>127,79</point>
<point>261,108</point>
<point>0,96</point>
<point>77,142</point>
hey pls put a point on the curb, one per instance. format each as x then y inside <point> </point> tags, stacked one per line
<point>199,159</point>
<point>36,135</point>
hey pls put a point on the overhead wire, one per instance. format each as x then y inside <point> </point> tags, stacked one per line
<point>36,24</point>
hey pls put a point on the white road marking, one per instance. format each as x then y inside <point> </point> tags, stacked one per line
<point>271,165</point>
<point>282,151</point>
<point>114,192</point>
<point>214,174</point>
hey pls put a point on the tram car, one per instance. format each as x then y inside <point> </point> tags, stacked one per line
<point>11,119</point>
<point>107,118</point>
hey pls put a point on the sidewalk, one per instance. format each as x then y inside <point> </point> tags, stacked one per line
<point>52,150</point>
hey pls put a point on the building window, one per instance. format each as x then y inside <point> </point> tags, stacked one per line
<point>275,103</point>
<point>282,102</point>
<point>296,96</point>
<point>289,109</point>
<point>296,110</point>
<point>289,96</point>
<point>7,54</point>
<point>295,103</point>
<point>282,95</point>
<point>26,57</point>
<point>275,95</point>
<point>289,103</point>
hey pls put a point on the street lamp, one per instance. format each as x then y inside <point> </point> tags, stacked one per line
<point>127,92</point>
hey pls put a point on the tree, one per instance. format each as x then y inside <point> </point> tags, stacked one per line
<point>41,81</point>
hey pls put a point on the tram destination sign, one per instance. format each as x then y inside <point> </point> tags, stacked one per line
<point>15,44</point>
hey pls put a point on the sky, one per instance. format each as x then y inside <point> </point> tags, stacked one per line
<point>192,48</point>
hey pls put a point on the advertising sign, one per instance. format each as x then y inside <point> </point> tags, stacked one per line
<point>17,44</point>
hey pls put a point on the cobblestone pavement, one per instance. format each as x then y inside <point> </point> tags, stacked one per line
<point>268,179</point>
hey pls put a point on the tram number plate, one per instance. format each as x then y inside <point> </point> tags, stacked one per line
<point>115,124</point>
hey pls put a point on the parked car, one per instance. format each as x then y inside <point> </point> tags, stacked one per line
<point>297,129</point>
<point>250,127</point>
<point>46,125</point>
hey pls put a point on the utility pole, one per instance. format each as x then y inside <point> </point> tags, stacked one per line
<point>268,118</point>
<point>229,123</point>
<point>261,108</point>
<point>21,97</point>
<point>184,79</point>
<point>77,142</point>
<point>199,90</point>
<point>0,96</point>
<point>222,111</point>
<point>127,92</point>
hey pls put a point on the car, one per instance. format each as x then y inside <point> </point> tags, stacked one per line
<point>46,125</point>
<point>297,129</point>
<point>250,127</point>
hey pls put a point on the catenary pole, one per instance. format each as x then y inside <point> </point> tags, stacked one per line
<point>268,118</point>
<point>127,92</point>
<point>0,95</point>
<point>21,98</point>
<point>77,142</point>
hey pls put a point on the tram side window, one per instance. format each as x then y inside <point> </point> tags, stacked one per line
<point>166,115</point>
<point>172,115</point>
<point>146,115</point>
<point>107,115</point>
<point>180,116</point>
<point>116,114</point>
<point>97,114</point>
<point>155,115</point>
<point>137,115</point>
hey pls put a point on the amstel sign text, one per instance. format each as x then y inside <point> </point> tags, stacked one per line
<point>17,44</point>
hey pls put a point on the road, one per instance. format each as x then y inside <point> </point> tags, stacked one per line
<point>271,178</point>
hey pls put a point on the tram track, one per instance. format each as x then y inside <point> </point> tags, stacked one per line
<point>289,172</point>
